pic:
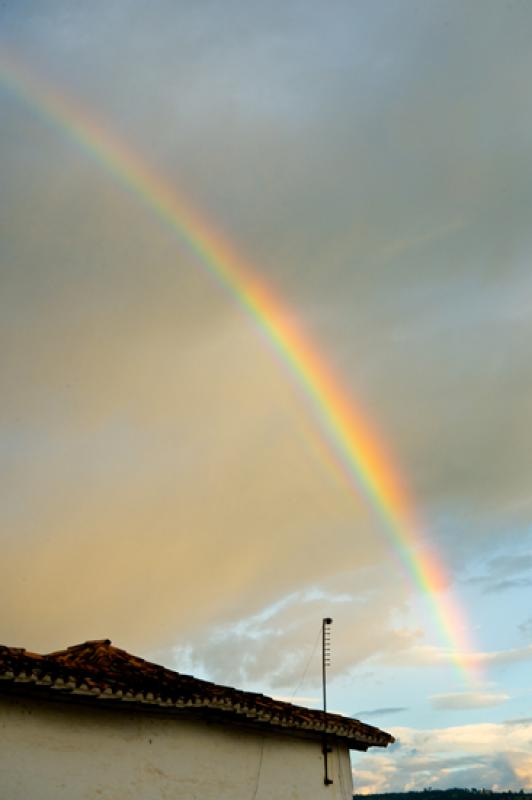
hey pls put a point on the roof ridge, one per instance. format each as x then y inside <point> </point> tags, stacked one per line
<point>87,643</point>
<point>97,669</point>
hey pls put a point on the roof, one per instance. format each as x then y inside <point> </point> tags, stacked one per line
<point>96,671</point>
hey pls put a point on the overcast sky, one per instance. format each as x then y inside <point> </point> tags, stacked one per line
<point>161,480</point>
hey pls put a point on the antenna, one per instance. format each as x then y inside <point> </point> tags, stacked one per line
<point>326,662</point>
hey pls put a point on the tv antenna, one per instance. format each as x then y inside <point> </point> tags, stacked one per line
<point>325,662</point>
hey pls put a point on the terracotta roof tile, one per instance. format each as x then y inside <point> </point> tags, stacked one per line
<point>98,670</point>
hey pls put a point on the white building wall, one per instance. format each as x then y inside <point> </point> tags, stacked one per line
<point>51,750</point>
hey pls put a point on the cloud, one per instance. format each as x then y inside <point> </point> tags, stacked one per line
<point>506,571</point>
<point>414,320</point>
<point>510,583</point>
<point>494,756</point>
<point>380,712</point>
<point>504,656</point>
<point>156,455</point>
<point>519,721</point>
<point>460,700</point>
<point>430,655</point>
<point>280,646</point>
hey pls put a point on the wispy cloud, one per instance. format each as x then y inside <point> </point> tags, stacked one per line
<point>495,756</point>
<point>435,656</point>
<point>507,571</point>
<point>460,700</point>
<point>280,646</point>
<point>379,712</point>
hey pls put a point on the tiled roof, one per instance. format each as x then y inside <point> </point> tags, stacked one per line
<point>98,671</point>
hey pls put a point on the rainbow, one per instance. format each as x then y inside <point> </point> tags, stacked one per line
<point>362,459</point>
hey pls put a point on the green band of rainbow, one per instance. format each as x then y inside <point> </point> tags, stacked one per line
<point>362,458</point>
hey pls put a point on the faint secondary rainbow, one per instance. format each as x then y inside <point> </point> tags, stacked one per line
<point>350,436</point>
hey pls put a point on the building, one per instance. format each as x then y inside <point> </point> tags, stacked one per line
<point>95,723</point>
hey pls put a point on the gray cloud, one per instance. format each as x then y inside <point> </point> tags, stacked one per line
<point>508,571</point>
<point>519,721</point>
<point>415,291</point>
<point>457,701</point>
<point>380,712</point>
<point>526,627</point>
<point>377,169</point>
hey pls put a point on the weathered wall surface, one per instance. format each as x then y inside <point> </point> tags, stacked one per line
<point>57,751</point>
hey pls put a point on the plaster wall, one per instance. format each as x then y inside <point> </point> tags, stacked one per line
<point>52,750</point>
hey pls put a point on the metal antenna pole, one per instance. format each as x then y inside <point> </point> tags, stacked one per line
<point>325,662</point>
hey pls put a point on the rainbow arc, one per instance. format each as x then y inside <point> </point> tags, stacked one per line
<point>350,435</point>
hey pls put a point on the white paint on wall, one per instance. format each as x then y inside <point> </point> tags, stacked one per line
<point>60,751</point>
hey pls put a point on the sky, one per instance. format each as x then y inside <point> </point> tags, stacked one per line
<point>166,479</point>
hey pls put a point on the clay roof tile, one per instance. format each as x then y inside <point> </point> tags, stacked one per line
<point>100,668</point>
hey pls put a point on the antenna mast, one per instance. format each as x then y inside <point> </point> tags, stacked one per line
<point>326,662</point>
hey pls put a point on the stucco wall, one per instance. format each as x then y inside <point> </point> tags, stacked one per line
<point>54,751</point>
